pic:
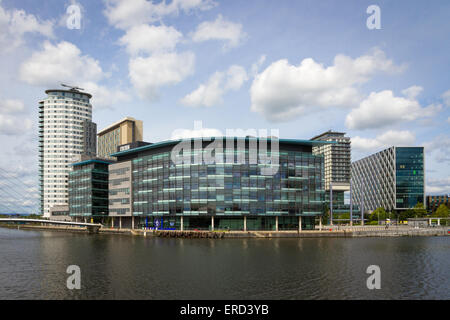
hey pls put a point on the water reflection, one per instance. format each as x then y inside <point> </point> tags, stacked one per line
<point>33,266</point>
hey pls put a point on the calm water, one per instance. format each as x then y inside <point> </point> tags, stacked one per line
<point>33,266</point>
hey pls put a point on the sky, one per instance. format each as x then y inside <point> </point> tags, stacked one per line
<point>301,67</point>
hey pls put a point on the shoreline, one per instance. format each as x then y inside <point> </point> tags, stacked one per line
<point>342,232</point>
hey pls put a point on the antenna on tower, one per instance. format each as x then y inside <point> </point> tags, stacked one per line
<point>73,88</point>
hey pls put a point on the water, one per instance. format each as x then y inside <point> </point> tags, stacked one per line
<point>33,266</point>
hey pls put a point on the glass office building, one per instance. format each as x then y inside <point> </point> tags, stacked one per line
<point>88,190</point>
<point>183,191</point>
<point>393,179</point>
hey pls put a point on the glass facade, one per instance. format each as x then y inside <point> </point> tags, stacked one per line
<point>88,189</point>
<point>409,177</point>
<point>164,190</point>
<point>392,179</point>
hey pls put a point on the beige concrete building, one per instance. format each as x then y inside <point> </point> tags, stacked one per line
<point>125,131</point>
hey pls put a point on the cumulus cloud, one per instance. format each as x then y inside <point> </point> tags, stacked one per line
<point>12,125</point>
<point>257,65</point>
<point>382,109</point>
<point>438,186</point>
<point>149,39</point>
<point>60,62</point>
<point>446,98</point>
<point>11,106</point>
<point>16,23</point>
<point>284,91</point>
<point>64,62</point>
<point>149,74</point>
<point>220,29</point>
<point>211,93</point>
<point>13,120</point>
<point>105,97</point>
<point>124,14</point>
<point>438,147</point>
<point>385,140</point>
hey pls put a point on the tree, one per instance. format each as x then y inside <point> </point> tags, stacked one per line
<point>442,211</point>
<point>378,214</point>
<point>419,210</point>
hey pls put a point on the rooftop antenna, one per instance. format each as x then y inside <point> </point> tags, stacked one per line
<point>71,87</point>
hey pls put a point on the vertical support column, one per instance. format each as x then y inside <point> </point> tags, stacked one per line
<point>132,222</point>
<point>245,223</point>
<point>181,224</point>
<point>362,206</point>
<point>120,222</point>
<point>212,223</point>
<point>331,204</point>
<point>300,224</point>
<point>320,223</point>
<point>439,222</point>
<point>276,223</point>
<point>429,222</point>
<point>112,222</point>
<point>351,204</point>
<point>85,220</point>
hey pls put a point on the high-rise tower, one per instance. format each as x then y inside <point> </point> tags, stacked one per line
<point>66,132</point>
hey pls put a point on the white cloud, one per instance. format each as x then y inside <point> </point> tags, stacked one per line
<point>13,120</point>
<point>220,29</point>
<point>446,98</point>
<point>105,97</point>
<point>284,91</point>
<point>211,93</point>
<point>124,14</point>
<point>236,77</point>
<point>150,39</point>
<point>385,140</point>
<point>448,119</point>
<point>439,147</point>
<point>14,125</point>
<point>11,106</point>
<point>162,69</point>
<point>16,23</point>
<point>257,65</point>
<point>438,186</point>
<point>64,63</point>
<point>382,109</point>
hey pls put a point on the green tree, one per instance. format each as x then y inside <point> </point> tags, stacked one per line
<point>442,211</point>
<point>419,210</point>
<point>378,214</point>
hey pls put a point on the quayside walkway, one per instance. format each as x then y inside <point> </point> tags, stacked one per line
<point>90,227</point>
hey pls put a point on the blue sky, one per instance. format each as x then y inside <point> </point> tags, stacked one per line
<point>302,67</point>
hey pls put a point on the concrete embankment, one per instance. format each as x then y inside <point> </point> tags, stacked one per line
<point>329,233</point>
<point>345,232</point>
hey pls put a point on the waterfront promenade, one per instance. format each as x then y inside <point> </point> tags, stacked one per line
<point>326,232</point>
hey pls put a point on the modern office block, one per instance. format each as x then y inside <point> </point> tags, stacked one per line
<point>125,131</point>
<point>229,193</point>
<point>393,179</point>
<point>433,202</point>
<point>64,117</point>
<point>88,190</point>
<point>337,166</point>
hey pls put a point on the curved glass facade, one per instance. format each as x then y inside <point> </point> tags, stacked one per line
<point>163,190</point>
